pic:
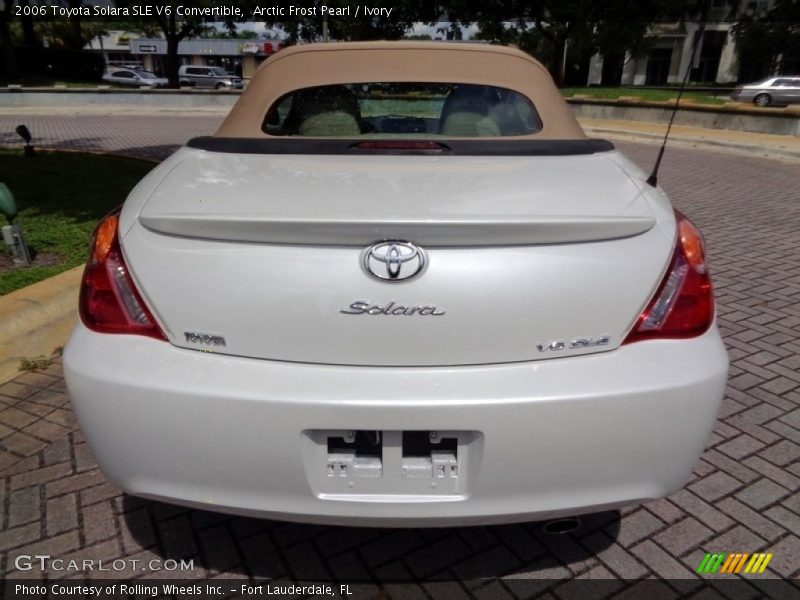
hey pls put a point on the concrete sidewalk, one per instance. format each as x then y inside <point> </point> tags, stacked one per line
<point>36,320</point>
<point>113,110</point>
<point>762,145</point>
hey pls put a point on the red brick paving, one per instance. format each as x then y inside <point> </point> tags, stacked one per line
<point>154,136</point>
<point>743,496</point>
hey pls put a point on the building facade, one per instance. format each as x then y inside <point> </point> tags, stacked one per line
<point>115,46</point>
<point>238,56</point>
<point>669,50</point>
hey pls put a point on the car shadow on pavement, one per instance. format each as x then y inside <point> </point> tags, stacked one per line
<point>155,153</point>
<point>261,549</point>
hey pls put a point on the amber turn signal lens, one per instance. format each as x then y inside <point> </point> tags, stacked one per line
<point>104,237</point>
<point>693,247</point>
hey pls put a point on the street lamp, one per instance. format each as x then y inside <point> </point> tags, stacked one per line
<point>25,134</point>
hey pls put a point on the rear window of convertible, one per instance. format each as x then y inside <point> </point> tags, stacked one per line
<point>418,110</point>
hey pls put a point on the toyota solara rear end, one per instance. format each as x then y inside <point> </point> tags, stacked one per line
<point>398,287</point>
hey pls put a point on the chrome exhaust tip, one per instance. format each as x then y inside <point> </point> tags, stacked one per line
<point>562,526</point>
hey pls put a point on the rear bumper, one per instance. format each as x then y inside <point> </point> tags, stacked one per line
<point>557,437</point>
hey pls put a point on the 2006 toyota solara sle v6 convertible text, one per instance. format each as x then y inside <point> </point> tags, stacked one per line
<point>399,286</point>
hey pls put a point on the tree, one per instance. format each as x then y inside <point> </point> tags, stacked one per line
<point>29,37</point>
<point>769,42</point>
<point>174,31</point>
<point>174,28</point>
<point>8,63</point>
<point>548,28</point>
<point>310,29</point>
<point>72,33</point>
<point>64,34</point>
<point>226,34</point>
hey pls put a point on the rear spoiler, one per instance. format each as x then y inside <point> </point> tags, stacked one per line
<point>446,146</point>
<point>439,232</point>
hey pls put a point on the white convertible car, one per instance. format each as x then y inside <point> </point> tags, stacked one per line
<point>398,287</point>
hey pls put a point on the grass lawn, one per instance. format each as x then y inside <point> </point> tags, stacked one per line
<point>651,95</point>
<point>60,197</point>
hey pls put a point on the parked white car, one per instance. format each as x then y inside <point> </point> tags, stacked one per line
<point>134,77</point>
<point>774,90</point>
<point>398,287</point>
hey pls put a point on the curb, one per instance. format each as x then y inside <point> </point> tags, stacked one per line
<point>112,153</point>
<point>700,143</point>
<point>730,108</point>
<point>37,319</point>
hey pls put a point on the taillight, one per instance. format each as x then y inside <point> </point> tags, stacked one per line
<point>683,306</point>
<point>401,145</point>
<point>109,301</point>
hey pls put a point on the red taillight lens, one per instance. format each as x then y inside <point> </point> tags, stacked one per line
<point>109,301</point>
<point>683,306</point>
<point>401,145</point>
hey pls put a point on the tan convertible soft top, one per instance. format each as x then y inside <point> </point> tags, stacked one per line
<point>361,62</point>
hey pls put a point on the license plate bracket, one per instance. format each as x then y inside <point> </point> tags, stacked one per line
<point>365,463</point>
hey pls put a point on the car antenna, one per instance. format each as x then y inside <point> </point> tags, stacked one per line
<point>653,179</point>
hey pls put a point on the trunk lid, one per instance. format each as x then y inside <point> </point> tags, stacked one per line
<point>524,255</point>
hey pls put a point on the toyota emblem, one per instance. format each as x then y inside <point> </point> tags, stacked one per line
<point>394,261</point>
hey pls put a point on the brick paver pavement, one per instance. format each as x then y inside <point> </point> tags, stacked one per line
<point>153,136</point>
<point>742,497</point>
